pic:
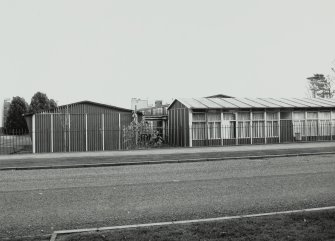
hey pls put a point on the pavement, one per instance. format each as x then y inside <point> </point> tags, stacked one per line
<point>158,156</point>
<point>38,202</point>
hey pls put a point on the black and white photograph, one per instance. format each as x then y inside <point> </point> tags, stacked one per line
<point>151,120</point>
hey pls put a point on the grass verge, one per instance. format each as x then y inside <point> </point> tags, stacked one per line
<point>319,225</point>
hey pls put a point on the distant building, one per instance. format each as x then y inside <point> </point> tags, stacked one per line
<point>157,117</point>
<point>5,109</point>
<point>139,104</point>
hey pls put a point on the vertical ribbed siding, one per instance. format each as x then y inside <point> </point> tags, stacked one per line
<point>77,131</point>
<point>60,135</point>
<point>94,132</point>
<point>111,131</point>
<point>178,125</point>
<point>42,133</point>
<point>73,138</point>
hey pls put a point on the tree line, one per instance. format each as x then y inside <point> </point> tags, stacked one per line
<point>18,106</point>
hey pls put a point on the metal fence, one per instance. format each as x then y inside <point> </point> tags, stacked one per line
<point>242,133</point>
<point>15,141</point>
<point>21,141</point>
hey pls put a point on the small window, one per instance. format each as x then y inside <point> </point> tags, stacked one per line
<point>299,115</point>
<point>243,116</point>
<point>285,115</point>
<point>312,115</point>
<point>272,116</point>
<point>324,115</point>
<point>228,116</point>
<point>211,117</point>
<point>258,116</point>
<point>199,117</point>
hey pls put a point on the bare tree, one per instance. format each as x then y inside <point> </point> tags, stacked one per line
<point>320,86</point>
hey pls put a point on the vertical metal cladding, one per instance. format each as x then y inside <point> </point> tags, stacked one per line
<point>68,131</point>
<point>42,133</point>
<point>111,131</point>
<point>178,125</point>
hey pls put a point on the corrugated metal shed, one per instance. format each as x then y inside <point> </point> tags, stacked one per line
<point>80,126</point>
<point>255,103</point>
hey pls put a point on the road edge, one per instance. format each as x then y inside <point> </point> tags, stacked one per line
<point>160,162</point>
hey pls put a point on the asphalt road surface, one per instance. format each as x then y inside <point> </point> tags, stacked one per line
<point>37,202</point>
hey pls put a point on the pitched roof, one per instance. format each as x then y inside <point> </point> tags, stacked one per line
<point>250,103</point>
<point>81,102</point>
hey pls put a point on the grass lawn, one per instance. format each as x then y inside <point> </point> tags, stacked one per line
<point>309,226</point>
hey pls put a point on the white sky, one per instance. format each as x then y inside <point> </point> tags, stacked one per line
<point>110,51</point>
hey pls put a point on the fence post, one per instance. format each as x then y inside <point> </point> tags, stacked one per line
<point>236,128</point>
<point>86,146</point>
<point>278,119</point>
<point>34,134</point>
<point>306,128</point>
<point>190,120</point>
<point>265,128</point>
<point>119,131</point>
<point>103,131</point>
<point>51,133</point>
<point>331,126</point>
<point>69,132</point>
<point>251,125</point>
<point>221,128</point>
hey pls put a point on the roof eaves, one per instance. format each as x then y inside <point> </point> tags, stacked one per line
<point>297,102</point>
<point>268,103</point>
<point>255,101</point>
<point>327,101</point>
<point>279,100</point>
<point>311,102</point>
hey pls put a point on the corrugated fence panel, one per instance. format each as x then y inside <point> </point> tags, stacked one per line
<point>111,131</point>
<point>94,132</point>
<point>60,133</point>
<point>77,130</point>
<point>42,133</point>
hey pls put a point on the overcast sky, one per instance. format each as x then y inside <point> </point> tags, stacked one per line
<point>110,51</point>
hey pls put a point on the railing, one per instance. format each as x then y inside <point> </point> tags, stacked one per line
<point>21,141</point>
<point>15,141</point>
<point>260,133</point>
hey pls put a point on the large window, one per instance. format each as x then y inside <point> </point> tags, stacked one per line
<point>214,125</point>
<point>299,123</point>
<point>312,124</point>
<point>324,123</point>
<point>243,126</point>
<point>258,124</point>
<point>272,124</point>
<point>228,125</point>
<point>199,126</point>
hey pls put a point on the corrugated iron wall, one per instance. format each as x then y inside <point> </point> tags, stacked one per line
<point>42,132</point>
<point>71,130</point>
<point>178,125</point>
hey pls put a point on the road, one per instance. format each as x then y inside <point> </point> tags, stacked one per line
<point>37,202</point>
